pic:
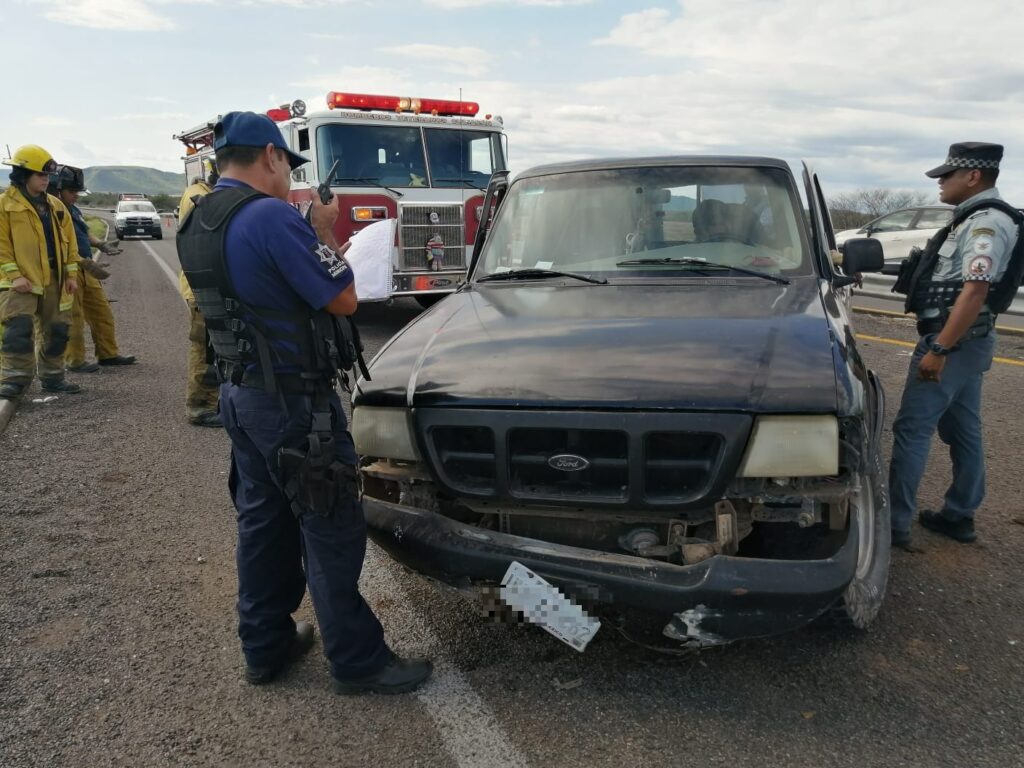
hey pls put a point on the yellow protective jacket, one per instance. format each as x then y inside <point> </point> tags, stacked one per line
<point>23,244</point>
<point>196,189</point>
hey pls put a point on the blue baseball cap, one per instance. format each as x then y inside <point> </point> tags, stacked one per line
<point>248,129</point>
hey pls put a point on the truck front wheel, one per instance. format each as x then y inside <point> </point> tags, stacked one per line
<point>863,598</point>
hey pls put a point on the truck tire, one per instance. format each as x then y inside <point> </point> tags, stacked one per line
<point>862,600</point>
<point>118,235</point>
<point>158,236</point>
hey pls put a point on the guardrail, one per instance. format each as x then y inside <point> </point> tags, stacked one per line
<point>880,287</point>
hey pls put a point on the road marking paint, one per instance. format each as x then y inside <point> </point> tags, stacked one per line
<point>161,263</point>
<point>898,343</point>
<point>466,724</point>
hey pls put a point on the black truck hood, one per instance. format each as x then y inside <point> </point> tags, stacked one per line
<point>716,344</point>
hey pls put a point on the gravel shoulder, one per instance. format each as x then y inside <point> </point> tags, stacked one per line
<point>117,626</point>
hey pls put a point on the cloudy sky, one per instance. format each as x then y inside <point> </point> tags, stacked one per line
<point>871,92</point>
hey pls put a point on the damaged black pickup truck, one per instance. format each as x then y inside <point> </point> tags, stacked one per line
<point>648,393</point>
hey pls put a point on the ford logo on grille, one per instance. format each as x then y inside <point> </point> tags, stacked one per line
<point>567,462</point>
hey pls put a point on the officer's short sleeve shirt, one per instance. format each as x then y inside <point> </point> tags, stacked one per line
<point>980,248</point>
<point>275,259</point>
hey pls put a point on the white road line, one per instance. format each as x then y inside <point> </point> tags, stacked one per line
<point>467,726</point>
<point>161,263</point>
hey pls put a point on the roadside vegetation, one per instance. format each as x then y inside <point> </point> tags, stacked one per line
<point>97,228</point>
<point>854,209</point>
<point>108,200</point>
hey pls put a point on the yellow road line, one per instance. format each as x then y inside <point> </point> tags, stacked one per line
<point>898,343</point>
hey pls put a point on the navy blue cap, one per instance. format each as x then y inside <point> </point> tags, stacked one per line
<point>248,129</point>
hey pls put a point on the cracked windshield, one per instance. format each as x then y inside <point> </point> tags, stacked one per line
<point>651,223</point>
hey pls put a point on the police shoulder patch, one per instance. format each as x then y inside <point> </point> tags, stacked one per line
<point>979,268</point>
<point>329,260</point>
<point>981,246</point>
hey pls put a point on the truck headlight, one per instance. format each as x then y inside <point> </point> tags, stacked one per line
<point>384,433</point>
<point>792,446</point>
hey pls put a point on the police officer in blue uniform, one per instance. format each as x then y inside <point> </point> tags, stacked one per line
<point>276,291</point>
<point>966,275</point>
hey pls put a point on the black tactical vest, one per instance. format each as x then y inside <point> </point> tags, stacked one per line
<point>310,342</point>
<point>915,278</point>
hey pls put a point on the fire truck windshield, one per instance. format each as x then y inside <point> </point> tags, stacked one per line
<point>396,156</point>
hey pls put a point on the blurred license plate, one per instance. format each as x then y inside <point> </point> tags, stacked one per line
<point>541,603</point>
<point>140,229</point>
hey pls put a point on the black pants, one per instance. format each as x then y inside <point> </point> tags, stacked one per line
<point>279,555</point>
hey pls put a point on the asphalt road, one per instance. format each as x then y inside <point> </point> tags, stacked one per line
<point>117,628</point>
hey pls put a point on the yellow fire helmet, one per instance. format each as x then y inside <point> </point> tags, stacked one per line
<point>33,158</point>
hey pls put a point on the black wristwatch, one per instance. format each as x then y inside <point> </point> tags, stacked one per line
<point>938,349</point>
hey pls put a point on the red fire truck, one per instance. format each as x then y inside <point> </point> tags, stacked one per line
<point>423,162</point>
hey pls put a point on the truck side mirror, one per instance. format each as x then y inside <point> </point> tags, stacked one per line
<point>862,254</point>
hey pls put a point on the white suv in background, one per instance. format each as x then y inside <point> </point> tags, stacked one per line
<point>901,230</point>
<point>137,217</point>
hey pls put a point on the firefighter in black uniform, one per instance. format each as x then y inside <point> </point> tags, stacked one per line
<point>275,292</point>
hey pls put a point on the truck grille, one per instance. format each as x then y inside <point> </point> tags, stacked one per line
<point>415,229</point>
<point>136,221</point>
<point>530,473</point>
<point>635,460</point>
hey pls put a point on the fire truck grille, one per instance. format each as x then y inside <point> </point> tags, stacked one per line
<point>416,228</point>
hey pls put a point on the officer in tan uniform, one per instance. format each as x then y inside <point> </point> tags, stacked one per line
<point>38,277</point>
<point>201,386</point>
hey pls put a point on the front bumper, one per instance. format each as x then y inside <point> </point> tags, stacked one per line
<point>709,603</point>
<point>138,230</point>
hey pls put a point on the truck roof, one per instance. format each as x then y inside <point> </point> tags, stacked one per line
<point>612,163</point>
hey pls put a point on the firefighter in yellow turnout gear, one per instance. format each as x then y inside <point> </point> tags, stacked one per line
<point>38,277</point>
<point>91,304</point>
<point>201,387</point>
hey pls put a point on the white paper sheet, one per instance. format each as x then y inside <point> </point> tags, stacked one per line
<point>370,258</point>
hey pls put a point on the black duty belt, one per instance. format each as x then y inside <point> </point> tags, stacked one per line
<point>981,326</point>
<point>287,383</point>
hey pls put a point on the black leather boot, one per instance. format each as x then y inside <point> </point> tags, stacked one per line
<point>398,676</point>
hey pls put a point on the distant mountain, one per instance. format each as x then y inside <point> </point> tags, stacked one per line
<point>132,178</point>
<point>126,178</point>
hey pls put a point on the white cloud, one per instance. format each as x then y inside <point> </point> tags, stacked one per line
<point>119,15</point>
<point>52,122</point>
<point>143,16</point>
<point>148,117</point>
<point>481,3</point>
<point>456,59</point>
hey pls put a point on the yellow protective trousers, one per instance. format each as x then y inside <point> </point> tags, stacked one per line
<point>92,307</point>
<point>201,389</point>
<point>35,333</point>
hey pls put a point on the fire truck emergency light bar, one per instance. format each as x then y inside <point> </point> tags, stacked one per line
<point>336,100</point>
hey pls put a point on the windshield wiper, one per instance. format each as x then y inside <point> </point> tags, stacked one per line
<point>539,274</point>
<point>370,179</point>
<point>464,181</point>
<point>702,263</point>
